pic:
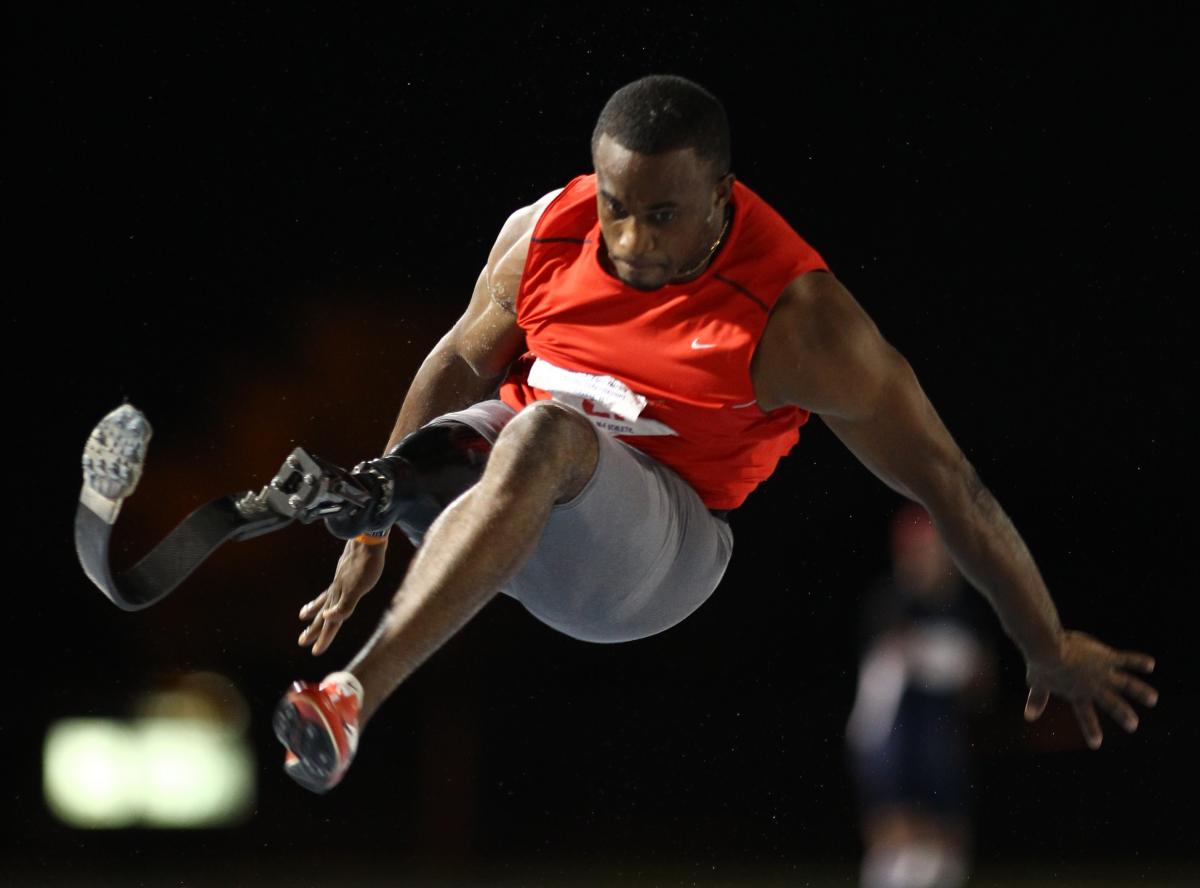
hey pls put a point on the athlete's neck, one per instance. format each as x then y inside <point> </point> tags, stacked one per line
<point>698,268</point>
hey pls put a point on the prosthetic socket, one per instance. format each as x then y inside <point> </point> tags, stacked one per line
<point>410,486</point>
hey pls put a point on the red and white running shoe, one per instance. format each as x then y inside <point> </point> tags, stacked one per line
<point>318,723</point>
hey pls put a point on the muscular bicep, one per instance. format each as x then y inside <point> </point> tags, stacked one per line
<point>821,351</point>
<point>487,336</point>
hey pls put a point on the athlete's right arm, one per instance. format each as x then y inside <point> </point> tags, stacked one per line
<point>463,368</point>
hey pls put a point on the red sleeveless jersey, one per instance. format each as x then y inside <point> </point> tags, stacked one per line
<point>668,370</point>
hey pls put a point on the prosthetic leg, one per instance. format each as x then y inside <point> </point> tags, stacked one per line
<point>408,487</point>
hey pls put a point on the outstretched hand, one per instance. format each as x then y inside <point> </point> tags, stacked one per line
<point>358,570</point>
<point>1088,672</point>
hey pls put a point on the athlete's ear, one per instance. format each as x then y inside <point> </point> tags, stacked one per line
<point>723,191</point>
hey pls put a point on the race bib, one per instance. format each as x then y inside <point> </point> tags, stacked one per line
<point>620,405</point>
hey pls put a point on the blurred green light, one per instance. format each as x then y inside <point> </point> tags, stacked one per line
<point>88,772</point>
<point>195,773</point>
<point>168,772</point>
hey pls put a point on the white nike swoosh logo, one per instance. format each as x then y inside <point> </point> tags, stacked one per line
<point>696,343</point>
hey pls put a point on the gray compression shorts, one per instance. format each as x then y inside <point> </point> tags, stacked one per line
<point>634,553</point>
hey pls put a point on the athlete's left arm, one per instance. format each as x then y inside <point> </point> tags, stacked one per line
<point>821,351</point>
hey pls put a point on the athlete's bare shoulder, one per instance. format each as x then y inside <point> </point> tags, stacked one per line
<point>815,334</point>
<point>506,262</point>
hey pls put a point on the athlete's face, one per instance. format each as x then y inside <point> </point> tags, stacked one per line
<point>659,213</point>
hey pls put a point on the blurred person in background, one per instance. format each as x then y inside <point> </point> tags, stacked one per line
<point>925,664</point>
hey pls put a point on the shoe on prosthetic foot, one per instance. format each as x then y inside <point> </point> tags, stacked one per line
<point>318,723</point>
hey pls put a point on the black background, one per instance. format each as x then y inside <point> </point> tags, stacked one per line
<point>254,222</point>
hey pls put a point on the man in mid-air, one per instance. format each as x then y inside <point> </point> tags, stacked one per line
<point>639,351</point>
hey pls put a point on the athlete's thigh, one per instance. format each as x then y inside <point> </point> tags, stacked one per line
<point>635,552</point>
<point>486,417</point>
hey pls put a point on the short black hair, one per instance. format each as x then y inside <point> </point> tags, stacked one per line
<point>666,112</point>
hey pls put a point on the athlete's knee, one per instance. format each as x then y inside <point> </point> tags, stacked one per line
<point>551,426</point>
<point>554,441</point>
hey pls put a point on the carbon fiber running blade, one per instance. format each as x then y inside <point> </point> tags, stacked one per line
<point>112,466</point>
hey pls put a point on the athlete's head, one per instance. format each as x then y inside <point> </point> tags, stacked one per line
<point>921,562</point>
<point>661,153</point>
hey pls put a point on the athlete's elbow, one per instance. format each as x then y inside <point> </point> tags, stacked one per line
<point>951,485</point>
<point>485,366</point>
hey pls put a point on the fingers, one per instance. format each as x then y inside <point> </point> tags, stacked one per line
<point>321,630</point>
<point>1085,713</point>
<point>1094,675</point>
<point>1135,660</point>
<point>315,605</point>
<point>1121,711</point>
<point>1134,687</point>
<point>312,631</point>
<point>341,609</point>
<point>314,611</point>
<point>1036,704</point>
<point>328,631</point>
<point>325,623</point>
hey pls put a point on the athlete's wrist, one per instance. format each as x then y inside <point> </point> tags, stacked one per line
<point>373,537</point>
